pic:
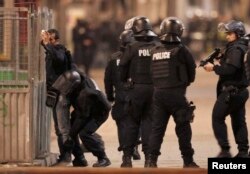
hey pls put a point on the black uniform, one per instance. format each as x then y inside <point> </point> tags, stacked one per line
<point>231,97</point>
<point>91,110</point>
<point>173,70</point>
<point>135,66</point>
<point>116,92</point>
<point>57,62</point>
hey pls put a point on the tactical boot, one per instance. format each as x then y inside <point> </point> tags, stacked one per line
<point>126,161</point>
<point>136,155</point>
<point>224,154</point>
<point>151,161</point>
<point>80,162</point>
<point>64,159</point>
<point>189,162</point>
<point>242,154</point>
<point>102,162</point>
<point>191,165</point>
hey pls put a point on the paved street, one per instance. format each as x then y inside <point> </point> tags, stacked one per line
<point>202,92</point>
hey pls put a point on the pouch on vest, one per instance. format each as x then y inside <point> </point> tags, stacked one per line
<point>247,66</point>
<point>51,98</point>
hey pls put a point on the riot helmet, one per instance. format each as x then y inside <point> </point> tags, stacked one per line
<point>129,23</point>
<point>142,27</point>
<point>171,29</point>
<point>233,26</point>
<point>126,37</point>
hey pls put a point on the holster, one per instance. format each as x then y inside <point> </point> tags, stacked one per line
<point>51,98</point>
<point>185,114</point>
<point>230,92</point>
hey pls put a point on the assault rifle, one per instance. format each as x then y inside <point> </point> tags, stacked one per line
<point>211,57</point>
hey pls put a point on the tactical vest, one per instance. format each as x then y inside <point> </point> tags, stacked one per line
<point>247,66</point>
<point>244,74</point>
<point>140,69</point>
<point>116,58</point>
<point>168,69</point>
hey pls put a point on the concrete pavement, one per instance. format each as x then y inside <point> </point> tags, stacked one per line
<point>202,92</point>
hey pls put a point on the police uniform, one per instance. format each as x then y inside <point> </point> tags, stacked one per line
<point>135,64</point>
<point>115,92</point>
<point>231,90</point>
<point>231,97</point>
<point>173,69</point>
<point>91,110</point>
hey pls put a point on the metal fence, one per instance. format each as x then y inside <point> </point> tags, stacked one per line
<point>24,118</point>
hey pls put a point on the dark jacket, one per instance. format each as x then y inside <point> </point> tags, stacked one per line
<point>231,71</point>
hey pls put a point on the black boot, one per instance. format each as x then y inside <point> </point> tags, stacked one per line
<point>224,154</point>
<point>126,161</point>
<point>150,161</point>
<point>102,162</point>
<point>80,162</point>
<point>189,162</point>
<point>242,154</point>
<point>136,155</point>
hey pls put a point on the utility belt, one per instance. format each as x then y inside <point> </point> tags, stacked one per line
<point>129,84</point>
<point>231,91</point>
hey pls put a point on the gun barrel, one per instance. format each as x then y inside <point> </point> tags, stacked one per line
<point>211,57</point>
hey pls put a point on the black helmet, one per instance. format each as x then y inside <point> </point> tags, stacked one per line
<point>126,37</point>
<point>129,23</point>
<point>233,26</point>
<point>171,29</point>
<point>141,27</point>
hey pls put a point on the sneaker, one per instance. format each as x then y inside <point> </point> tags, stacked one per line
<point>191,165</point>
<point>224,154</point>
<point>80,162</point>
<point>103,162</point>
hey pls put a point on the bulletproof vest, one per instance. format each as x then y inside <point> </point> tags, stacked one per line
<point>168,69</point>
<point>140,68</point>
<point>247,66</point>
<point>116,58</point>
<point>239,78</point>
<point>101,101</point>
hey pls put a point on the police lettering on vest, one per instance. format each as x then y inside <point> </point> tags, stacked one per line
<point>118,62</point>
<point>167,69</point>
<point>144,53</point>
<point>161,55</point>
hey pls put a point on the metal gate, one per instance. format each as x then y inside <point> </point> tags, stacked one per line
<point>24,118</point>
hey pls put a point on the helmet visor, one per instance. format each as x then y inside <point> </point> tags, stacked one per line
<point>222,27</point>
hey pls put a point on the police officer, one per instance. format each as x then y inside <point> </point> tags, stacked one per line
<point>115,89</point>
<point>135,69</point>
<point>60,80</point>
<point>231,91</point>
<point>173,69</point>
<point>91,110</point>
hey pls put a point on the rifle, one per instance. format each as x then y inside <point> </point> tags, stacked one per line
<point>211,57</point>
